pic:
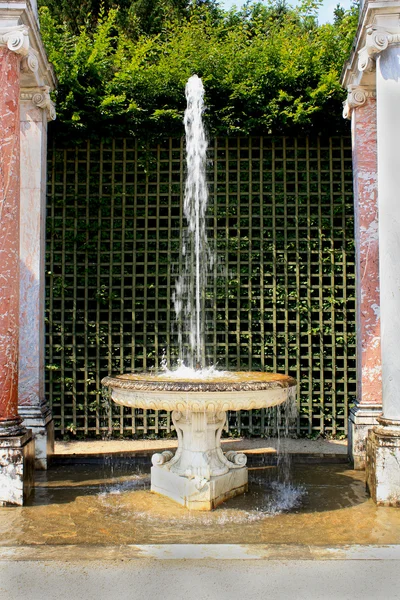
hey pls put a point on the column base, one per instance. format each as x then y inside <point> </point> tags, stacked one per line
<point>361,420</point>
<point>17,464</point>
<point>197,494</point>
<point>383,463</point>
<point>40,421</point>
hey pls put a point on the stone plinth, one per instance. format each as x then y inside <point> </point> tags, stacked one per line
<point>17,464</point>
<point>383,463</point>
<point>361,420</point>
<point>200,476</point>
<point>196,494</point>
<point>40,421</point>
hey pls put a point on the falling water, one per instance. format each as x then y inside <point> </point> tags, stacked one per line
<point>189,296</point>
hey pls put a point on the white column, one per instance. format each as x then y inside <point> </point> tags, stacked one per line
<point>388,125</point>
<point>36,109</point>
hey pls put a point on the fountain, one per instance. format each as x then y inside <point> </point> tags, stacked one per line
<point>199,476</point>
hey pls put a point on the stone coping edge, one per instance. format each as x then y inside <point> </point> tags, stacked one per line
<point>75,553</point>
<point>123,382</point>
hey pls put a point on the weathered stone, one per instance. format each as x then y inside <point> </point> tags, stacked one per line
<point>17,464</point>
<point>361,420</point>
<point>40,421</point>
<point>383,464</point>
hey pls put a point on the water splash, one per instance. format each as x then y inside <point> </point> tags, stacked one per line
<point>286,419</point>
<point>197,260</point>
<point>134,482</point>
<point>184,372</point>
<point>266,498</point>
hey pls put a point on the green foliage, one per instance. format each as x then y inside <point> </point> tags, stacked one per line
<point>266,68</point>
<point>146,16</point>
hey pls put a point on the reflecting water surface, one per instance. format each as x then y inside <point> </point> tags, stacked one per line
<point>324,504</point>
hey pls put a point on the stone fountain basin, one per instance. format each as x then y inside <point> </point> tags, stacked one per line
<point>200,476</point>
<point>239,390</point>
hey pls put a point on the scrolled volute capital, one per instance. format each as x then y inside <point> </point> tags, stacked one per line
<point>30,62</point>
<point>40,97</point>
<point>377,40</point>
<point>356,96</point>
<point>15,38</point>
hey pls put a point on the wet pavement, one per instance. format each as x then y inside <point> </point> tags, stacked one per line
<point>111,506</point>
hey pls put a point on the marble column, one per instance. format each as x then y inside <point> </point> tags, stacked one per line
<point>373,67</point>
<point>36,110</point>
<point>360,107</point>
<point>23,64</point>
<point>383,446</point>
<point>16,444</point>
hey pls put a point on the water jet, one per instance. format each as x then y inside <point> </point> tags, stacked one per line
<point>199,476</point>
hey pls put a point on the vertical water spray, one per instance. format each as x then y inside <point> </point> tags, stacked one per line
<point>200,475</point>
<point>190,289</point>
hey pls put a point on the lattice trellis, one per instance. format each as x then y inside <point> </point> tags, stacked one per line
<point>281,295</point>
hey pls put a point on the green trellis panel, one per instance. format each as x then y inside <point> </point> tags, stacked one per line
<point>281,295</point>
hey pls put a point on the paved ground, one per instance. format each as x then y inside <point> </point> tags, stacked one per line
<point>201,580</point>
<point>95,532</point>
<point>252,445</point>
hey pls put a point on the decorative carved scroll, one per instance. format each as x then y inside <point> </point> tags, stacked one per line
<point>377,40</point>
<point>357,96</point>
<point>15,38</point>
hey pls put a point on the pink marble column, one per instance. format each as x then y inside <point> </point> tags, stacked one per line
<point>9,239</point>
<point>369,378</point>
<point>22,61</point>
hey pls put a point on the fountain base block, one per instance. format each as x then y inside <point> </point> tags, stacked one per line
<point>197,494</point>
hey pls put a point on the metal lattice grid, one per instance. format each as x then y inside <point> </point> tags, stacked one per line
<point>281,296</point>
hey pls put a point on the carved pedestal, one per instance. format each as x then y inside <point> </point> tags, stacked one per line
<point>383,463</point>
<point>200,476</point>
<point>40,421</point>
<point>361,420</point>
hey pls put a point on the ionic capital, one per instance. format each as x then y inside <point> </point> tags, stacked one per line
<point>40,97</point>
<point>377,40</point>
<point>15,38</point>
<point>356,96</point>
<point>30,62</point>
